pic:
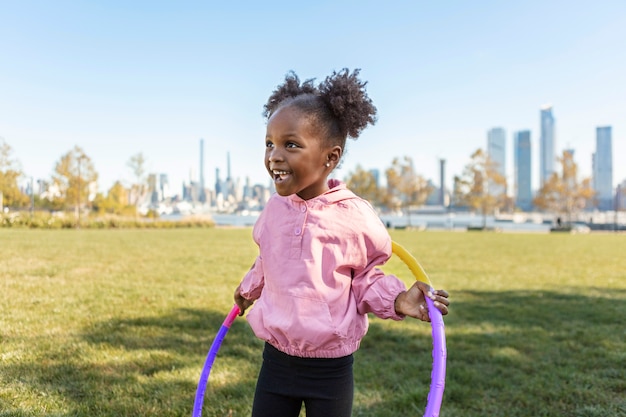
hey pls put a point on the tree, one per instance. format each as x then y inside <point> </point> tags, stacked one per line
<point>564,195</point>
<point>405,188</point>
<point>73,175</point>
<point>363,183</point>
<point>481,187</point>
<point>10,173</point>
<point>139,188</point>
<point>115,202</point>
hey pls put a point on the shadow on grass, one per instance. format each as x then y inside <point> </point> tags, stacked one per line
<point>147,366</point>
<point>517,353</point>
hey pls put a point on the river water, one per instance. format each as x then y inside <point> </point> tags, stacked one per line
<point>421,221</point>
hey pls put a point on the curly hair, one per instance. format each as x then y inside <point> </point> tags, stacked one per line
<point>339,106</point>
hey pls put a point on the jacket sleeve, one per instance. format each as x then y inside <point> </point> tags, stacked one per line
<point>376,292</point>
<point>252,284</point>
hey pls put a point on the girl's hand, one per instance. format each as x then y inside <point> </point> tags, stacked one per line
<point>412,303</point>
<point>241,302</point>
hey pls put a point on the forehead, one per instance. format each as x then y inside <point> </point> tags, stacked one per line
<point>291,119</point>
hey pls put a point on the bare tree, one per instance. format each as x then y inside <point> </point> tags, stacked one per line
<point>563,194</point>
<point>481,187</point>
<point>139,187</point>
<point>73,175</point>
<point>405,187</point>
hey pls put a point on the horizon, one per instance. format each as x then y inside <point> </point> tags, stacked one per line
<point>117,79</point>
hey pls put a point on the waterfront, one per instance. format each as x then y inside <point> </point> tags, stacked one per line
<point>454,221</point>
<point>527,223</point>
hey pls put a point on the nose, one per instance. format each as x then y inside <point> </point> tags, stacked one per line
<point>274,155</point>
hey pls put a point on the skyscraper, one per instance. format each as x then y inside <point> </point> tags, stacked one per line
<point>496,150</point>
<point>547,155</point>
<point>202,190</point>
<point>522,175</point>
<point>602,164</point>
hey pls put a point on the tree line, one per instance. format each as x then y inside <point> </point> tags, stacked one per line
<point>479,188</point>
<point>72,186</point>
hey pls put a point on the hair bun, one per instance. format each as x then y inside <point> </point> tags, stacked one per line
<point>347,97</point>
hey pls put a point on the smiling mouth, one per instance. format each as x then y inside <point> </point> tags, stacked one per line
<point>280,175</point>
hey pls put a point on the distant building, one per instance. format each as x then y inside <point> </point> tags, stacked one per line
<point>433,198</point>
<point>202,197</point>
<point>152,189</point>
<point>496,150</point>
<point>620,196</point>
<point>442,183</point>
<point>218,182</point>
<point>164,187</point>
<point>523,172</point>
<point>602,167</point>
<point>547,155</point>
<point>376,175</point>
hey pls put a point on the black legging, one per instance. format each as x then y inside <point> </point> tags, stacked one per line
<point>325,386</point>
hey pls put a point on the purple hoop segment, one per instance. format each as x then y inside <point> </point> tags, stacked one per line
<point>210,358</point>
<point>438,373</point>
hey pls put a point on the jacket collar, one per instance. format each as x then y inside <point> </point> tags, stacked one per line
<point>337,192</point>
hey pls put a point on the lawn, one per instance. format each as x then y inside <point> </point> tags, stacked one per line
<point>118,323</point>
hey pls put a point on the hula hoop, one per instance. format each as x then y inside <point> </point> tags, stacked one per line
<point>438,373</point>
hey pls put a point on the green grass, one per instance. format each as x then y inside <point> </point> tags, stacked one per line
<point>118,323</point>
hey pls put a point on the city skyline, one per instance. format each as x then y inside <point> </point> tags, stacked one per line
<point>440,76</point>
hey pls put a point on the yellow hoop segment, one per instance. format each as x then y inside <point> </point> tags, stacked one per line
<point>410,261</point>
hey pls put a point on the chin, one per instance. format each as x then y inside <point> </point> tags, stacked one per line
<point>283,193</point>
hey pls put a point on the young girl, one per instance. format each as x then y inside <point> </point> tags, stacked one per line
<point>315,278</point>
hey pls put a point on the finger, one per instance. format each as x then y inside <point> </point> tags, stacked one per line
<point>442,293</point>
<point>423,313</point>
<point>441,300</point>
<point>442,308</point>
<point>425,289</point>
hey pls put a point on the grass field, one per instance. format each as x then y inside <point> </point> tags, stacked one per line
<point>118,323</point>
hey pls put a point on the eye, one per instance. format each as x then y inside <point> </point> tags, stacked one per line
<point>269,144</point>
<point>292,145</point>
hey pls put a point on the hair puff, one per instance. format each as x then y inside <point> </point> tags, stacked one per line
<point>339,106</point>
<point>346,96</point>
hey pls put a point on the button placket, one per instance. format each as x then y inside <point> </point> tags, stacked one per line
<point>298,232</point>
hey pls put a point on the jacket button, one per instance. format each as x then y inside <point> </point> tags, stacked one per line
<point>297,231</point>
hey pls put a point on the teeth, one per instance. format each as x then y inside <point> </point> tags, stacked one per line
<point>276,172</point>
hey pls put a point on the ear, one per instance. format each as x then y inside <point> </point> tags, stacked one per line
<point>333,155</point>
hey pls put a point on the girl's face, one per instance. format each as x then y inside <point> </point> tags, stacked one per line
<point>295,157</point>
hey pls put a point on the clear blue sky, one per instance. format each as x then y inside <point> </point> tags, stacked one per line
<point>122,77</point>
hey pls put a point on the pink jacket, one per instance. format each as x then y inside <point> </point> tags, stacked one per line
<point>316,279</point>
